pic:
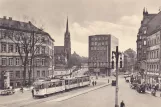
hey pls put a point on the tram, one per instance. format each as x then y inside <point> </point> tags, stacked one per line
<point>47,87</point>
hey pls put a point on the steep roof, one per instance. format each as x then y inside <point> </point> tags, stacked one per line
<point>154,24</point>
<point>21,26</point>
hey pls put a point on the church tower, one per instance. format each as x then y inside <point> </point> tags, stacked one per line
<point>67,42</point>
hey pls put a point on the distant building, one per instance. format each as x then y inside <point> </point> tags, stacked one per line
<point>63,53</point>
<point>12,33</point>
<point>129,59</point>
<point>100,53</point>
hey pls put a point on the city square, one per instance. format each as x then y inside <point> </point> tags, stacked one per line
<point>80,53</point>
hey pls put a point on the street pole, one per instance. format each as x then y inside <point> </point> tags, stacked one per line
<point>117,53</point>
<point>116,97</point>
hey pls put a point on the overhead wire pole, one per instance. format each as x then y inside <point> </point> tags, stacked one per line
<point>116,53</point>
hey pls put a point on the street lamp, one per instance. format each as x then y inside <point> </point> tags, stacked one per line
<point>116,53</point>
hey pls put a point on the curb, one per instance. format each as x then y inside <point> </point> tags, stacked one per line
<point>77,94</point>
<point>148,92</point>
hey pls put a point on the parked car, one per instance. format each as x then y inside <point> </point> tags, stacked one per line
<point>113,83</point>
<point>141,88</point>
<point>7,92</point>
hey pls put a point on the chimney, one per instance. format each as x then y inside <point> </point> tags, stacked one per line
<point>4,17</point>
<point>10,18</point>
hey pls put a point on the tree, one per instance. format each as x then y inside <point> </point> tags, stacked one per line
<point>25,42</point>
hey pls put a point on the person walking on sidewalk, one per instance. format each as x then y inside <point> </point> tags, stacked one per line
<point>21,89</point>
<point>122,104</point>
<point>95,83</point>
<point>33,92</point>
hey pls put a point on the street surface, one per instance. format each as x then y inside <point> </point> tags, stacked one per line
<point>105,97</point>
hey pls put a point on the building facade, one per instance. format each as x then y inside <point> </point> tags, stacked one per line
<point>142,39</point>
<point>24,45</point>
<point>154,50</point>
<point>63,53</point>
<point>100,53</point>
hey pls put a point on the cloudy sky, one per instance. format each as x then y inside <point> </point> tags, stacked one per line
<point>120,18</point>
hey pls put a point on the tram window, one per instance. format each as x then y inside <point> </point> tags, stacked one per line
<point>66,82</point>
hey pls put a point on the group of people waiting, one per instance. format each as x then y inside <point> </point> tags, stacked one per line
<point>94,83</point>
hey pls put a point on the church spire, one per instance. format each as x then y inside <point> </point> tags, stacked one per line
<point>67,25</point>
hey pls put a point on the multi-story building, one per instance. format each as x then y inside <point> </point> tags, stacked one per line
<point>142,39</point>
<point>63,53</point>
<point>15,45</point>
<point>100,53</point>
<point>154,50</point>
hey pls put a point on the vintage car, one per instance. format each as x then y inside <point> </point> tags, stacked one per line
<point>141,88</point>
<point>113,83</point>
<point>7,92</point>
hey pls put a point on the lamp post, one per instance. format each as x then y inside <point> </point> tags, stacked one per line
<point>116,53</point>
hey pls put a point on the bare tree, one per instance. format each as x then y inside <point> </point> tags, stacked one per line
<point>25,42</point>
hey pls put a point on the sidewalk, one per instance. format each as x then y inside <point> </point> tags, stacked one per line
<point>157,93</point>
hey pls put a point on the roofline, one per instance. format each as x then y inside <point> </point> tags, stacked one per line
<point>29,31</point>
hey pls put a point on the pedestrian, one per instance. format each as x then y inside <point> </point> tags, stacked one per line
<point>33,93</point>
<point>108,80</point>
<point>95,82</point>
<point>21,89</point>
<point>122,104</point>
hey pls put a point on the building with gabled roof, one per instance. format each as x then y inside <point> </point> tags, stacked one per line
<point>12,33</point>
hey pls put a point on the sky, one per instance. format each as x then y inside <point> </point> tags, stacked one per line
<point>120,18</point>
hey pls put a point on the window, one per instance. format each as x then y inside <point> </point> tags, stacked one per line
<point>10,61</point>
<point>157,54</point>
<point>37,62</point>
<point>157,66</point>
<point>43,62</point>
<point>144,31</point>
<point>16,48</point>
<point>10,48</point>
<point>43,73</point>
<point>17,74</point>
<point>95,43</point>
<point>38,73</point>
<point>140,37</point>
<point>91,48</point>
<point>43,50</point>
<point>17,61</point>
<point>102,43</point>
<point>3,47</point>
<point>106,43</point>
<point>11,74</point>
<point>4,61</point>
<point>144,42</point>
<point>37,49</point>
<point>30,73</point>
<point>95,38</point>
<point>139,46</point>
